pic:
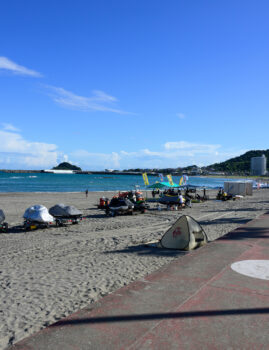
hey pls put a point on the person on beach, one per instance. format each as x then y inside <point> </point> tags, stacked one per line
<point>181,202</point>
<point>86,193</point>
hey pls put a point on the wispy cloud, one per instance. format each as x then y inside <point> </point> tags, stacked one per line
<point>172,154</point>
<point>9,127</point>
<point>194,148</point>
<point>99,101</point>
<point>15,68</point>
<point>181,115</point>
<point>97,160</point>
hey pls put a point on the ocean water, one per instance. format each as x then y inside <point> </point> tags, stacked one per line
<point>44,182</point>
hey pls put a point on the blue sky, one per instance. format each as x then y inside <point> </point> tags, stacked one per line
<point>129,83</point>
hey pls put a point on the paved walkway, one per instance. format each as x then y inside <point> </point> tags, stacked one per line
<point>196,302</point>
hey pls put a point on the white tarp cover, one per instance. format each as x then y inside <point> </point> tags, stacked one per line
<point>64,210</point>
<point>249,188</point>
<point>241,188</point>
<point>2,216</point>
<point>38,213</point>
<point>184,234</point>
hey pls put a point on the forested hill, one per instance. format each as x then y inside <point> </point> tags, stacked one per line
<point>241,163</point>
<point>66,166</point>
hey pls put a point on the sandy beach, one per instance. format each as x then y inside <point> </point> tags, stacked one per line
<point>47,274</point>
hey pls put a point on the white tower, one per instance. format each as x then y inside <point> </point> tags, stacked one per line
<point>258,165</point>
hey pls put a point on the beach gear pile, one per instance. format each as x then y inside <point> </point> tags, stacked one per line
<point>136,197</point>
<point>224,196</point>
<point>3,224</point>
<point>125,203</point>
<point>174,199</point>
<point>103,203</point>
<point>119,206</point>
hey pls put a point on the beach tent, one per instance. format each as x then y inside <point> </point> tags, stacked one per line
<point>163,185</point>
<point>238,188</point>
<point>184,234</point>
<point>157,185</point>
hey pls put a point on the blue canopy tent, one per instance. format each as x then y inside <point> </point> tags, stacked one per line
<point>162,185</point>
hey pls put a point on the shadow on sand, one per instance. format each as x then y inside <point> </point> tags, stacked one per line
<point>144,249</point>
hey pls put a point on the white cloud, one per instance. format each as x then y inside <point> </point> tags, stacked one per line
<point>181,115</point>
<point>97,160</point>
<point>9,127</point>
<point>15,68</point>
<point>99,101</point>
<point>184,154</point>
<point>16,152</point>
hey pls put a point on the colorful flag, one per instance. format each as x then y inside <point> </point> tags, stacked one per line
<point>145,178</point>
<point>170,180</point>
<point>181,181</point>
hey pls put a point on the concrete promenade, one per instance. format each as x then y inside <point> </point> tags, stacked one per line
<point>196,302</point>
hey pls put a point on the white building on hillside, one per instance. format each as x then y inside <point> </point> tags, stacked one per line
<point>59,171</point>
<point>258,165</point>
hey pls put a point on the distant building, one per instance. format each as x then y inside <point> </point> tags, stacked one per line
<point>258,165</point>
<point>216,173</point>
<point>195,171</point>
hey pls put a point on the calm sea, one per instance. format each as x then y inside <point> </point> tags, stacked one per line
<point>43,182</point>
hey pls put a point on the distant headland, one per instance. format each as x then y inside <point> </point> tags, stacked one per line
<point>238,166</point>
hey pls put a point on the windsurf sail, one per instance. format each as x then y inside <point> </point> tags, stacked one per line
<point>145,178</point>
<point>170,180</point>
<point>183,180</point>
